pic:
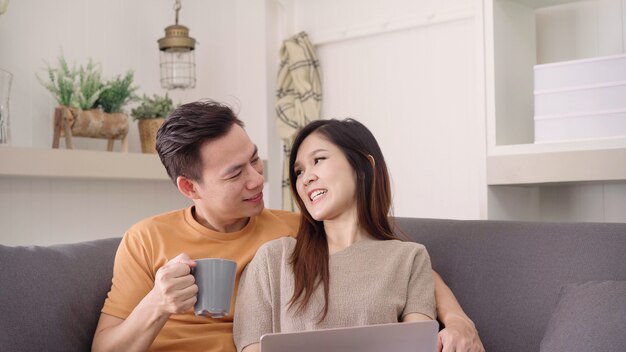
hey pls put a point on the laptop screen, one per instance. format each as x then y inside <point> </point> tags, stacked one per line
<point>398,337</point>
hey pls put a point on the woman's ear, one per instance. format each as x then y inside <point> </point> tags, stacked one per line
<point>187,187</point>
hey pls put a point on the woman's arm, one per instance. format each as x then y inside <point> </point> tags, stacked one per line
<point>415,317</point>
<point>459,333</point>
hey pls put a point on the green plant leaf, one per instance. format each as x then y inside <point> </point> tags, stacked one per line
<point>90,85</point>
<point>61,82</point>
<point>117,93</point>
<point>152,108</point>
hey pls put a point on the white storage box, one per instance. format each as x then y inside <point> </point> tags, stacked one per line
<point>581,99</point>
<point>585,72</point>
<point>580,127</point>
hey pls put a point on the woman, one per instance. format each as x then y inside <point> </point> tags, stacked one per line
<point>346,268</point>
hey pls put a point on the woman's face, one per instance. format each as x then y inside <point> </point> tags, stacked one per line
<point>325,181</point>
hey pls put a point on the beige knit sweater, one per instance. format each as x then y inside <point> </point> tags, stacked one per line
<point>371,282</point>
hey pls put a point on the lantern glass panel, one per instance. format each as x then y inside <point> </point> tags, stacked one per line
<point>178,69</point>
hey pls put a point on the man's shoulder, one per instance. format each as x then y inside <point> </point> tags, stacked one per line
<point>170,218</point>
<point>284,214</point>
<point>281,217</point>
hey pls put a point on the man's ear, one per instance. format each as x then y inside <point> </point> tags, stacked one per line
<point>187,187</point>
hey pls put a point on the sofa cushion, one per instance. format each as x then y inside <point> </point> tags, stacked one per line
<point>50,297</point>
<point>589,316</point>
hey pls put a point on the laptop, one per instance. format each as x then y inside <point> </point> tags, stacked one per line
<point>418,336</point>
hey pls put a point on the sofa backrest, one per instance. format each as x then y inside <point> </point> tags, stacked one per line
<point>508,275</point>
<point>50,297</point>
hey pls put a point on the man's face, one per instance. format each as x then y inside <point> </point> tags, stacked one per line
<point>231,189</point>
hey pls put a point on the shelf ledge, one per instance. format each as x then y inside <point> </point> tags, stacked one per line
<point>598,165</point>
<point>82,164</point>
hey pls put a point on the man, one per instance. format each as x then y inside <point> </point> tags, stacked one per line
<point>214,163</point>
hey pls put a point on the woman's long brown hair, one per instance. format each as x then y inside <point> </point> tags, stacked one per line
<point>373,197</point>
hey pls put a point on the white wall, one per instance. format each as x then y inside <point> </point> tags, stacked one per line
<point>407,70</point>
<point>122,35</point>
<point>231,56</point>
<point>236,60</point>
<point>514,36</point>
<point>41,211</point>
<point>593,202</point>
<point>580,30</point>
<point>410,70</point>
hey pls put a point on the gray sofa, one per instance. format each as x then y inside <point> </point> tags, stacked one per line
<point>521,282</point>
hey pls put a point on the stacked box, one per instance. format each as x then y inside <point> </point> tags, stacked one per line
<point>581,99</point>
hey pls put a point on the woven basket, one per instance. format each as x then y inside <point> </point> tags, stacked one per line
<point>147,134</point>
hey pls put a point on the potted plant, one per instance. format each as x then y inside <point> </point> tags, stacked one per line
<point>151,113</point>
<point>89,107</point>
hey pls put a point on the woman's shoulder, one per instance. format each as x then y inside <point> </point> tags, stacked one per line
<point>271,255</point>
<point>403,246</point>
<point>276,248</point>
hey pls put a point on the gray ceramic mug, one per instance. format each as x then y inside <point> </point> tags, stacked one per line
<point>215,278</point>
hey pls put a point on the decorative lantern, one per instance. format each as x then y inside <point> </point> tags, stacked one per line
<point>178,61</point>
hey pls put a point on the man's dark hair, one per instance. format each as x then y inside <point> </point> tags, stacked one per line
<point>186,129</point>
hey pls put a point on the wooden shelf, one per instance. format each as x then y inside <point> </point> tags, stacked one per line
<point>528,167</point>
<point>544,3</point>
<point>84,164</point>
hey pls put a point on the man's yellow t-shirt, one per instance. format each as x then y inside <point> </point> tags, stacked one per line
<point>151,243</point>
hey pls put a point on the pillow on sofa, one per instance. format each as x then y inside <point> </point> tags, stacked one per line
<point>589,316</point>
<point>50,297</point>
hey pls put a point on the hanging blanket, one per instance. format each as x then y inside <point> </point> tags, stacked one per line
<point>299,98</point>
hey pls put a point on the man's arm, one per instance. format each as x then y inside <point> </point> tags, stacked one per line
<point>255,347</point>
<point>174,292</point>
<point>460,333</point>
